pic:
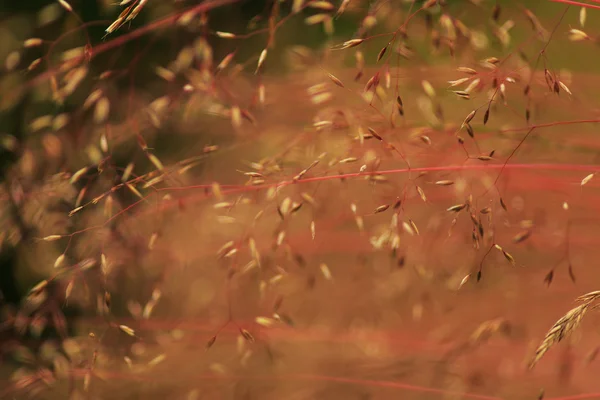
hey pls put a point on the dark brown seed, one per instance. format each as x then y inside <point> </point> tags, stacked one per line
<point>474,219</point>
<point>375,134</point>
<point>486,116</point>
<point>286,319</point>
<point>571,274</point>
<point>400,110</point>
<point>492,153</point>
<point>300,260</point>
<point>399,100</point>
<point>526,91</point>
<point>527,114</point>
<point>460,140</point>
<point>439,112</point>
<point>523,56</point>
<point>503,204</point>
<point>210,342</point>
<point>470,117</point>
<point>470,130</point>
<point>496,13</point>
<point>247,335</point>
<point>381,53</point>
<point>548,278</point>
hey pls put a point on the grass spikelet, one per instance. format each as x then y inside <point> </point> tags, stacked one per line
<point>561,329</point>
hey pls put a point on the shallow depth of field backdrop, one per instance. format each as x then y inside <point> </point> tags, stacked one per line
<point>299,199</point>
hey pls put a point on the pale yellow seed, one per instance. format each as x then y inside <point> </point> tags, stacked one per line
<point>127,330</point>
<point>52,238</point>
<point>127,172</point>
<point>577,35</point>
<point>39,287</point>
<point>588,178</point>
<point>264,321</point>
<point>154,160</point>
<point>359,223</point>
<point>428,88</point>
<point>77,175</point>
<point>152,241</point>
<point>157,360</point>
<point>458,82</point>
<point>261,60</point>
<point>321,5</point>
<point>421,194</point>
<point>216,189</point>
<point>351,43</point>
<point>101,110</point>
<point>236,117</point>
<point>564,87</point>
<point>134,190</point>
<point>317,19</point>
<point>408,228</point>
<point>75,210</point>
<point>222,204</point>
<point>165,73</point>
<point>32,42</point>
<point>103,143</point>
<point>297,6</point>
<point>325,271</point>
<point>261,94</point>
<point>59,261</point>
<point>225,35</point>
<point>34,64</point>
<point>12,60</point>
<point>65,5</point>
<point>69,289</point>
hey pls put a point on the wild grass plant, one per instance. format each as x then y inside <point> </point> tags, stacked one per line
<point>300,199</point>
